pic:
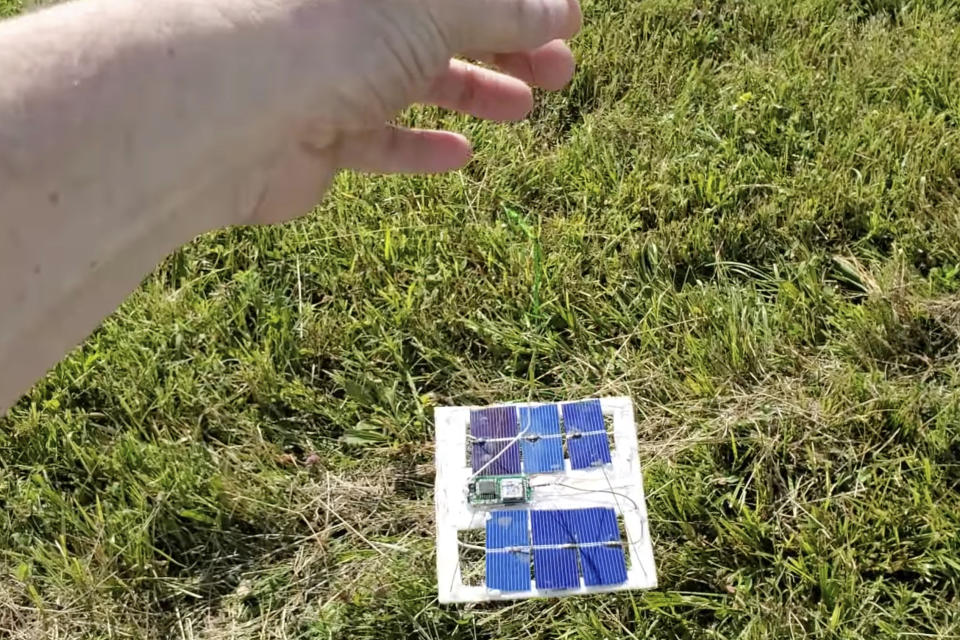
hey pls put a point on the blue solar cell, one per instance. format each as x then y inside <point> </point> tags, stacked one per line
<point>542,455</point>
<point>603,565</point>
<point>550,526</point>
<point>588,451</point>
<point>494,422</point>
<point>555,568</point>
<point>582,417</point>
<point>507,529</point>
<point>508,570</point>
<point>596,524</point>
<point>542,421</point>
<point>497,458</point>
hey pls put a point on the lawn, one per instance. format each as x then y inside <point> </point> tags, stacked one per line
<point>745,214</point>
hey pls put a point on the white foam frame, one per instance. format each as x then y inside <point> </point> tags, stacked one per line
<point>595,487</point>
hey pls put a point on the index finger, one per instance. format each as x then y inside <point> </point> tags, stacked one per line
<point>501,26</point>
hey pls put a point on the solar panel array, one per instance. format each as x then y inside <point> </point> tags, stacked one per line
<point>567,545</point>
<point>508,440</point>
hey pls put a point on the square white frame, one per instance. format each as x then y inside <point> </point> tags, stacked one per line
<point>618,485</point>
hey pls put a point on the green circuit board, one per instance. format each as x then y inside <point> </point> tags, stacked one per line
<point>500,490</point>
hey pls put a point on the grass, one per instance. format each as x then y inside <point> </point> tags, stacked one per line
<point>742,214</point>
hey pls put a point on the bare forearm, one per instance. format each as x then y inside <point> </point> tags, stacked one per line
<point>103,165</point>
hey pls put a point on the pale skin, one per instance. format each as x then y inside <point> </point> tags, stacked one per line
<point>128,128</point>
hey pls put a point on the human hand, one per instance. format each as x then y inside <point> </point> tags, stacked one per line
<point>128,128</point>
<point>330,73</point>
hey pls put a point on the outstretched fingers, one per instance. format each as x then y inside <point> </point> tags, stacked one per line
<point>393,149</point>
<point>549,67</point>
<point>480,92</point>
<point>521,37</point>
